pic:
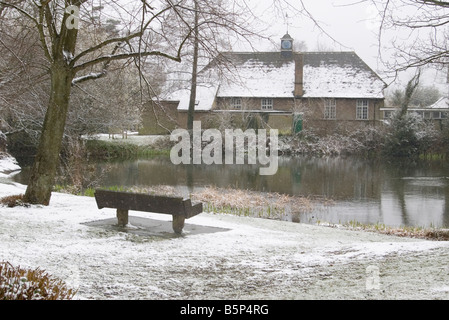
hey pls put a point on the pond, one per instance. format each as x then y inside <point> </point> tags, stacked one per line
<point>395,194</point>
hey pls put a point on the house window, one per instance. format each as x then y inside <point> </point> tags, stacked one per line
<point>267,104</point>
<point>330,109</point>
<point>236,103</point>
<point>436,115</point>
<point>388,114</point>
<point>362,110</point>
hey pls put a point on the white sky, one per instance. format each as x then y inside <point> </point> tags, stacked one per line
<point>351,23</point>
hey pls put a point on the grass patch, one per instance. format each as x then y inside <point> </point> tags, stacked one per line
<point>269,206</point>
<point>99,149</point>
<point>87,192</point>
<point>223,201</point>
<point>432,156</point>
<point>253,204</point>
<point>403,231</point>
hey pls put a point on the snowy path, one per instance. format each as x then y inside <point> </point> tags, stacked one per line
<point>218,257</point>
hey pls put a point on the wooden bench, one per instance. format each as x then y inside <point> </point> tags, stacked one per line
<point>178,207</point>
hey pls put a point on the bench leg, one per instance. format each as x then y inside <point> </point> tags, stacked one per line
<point>122,217</point>
<point>178,223</point>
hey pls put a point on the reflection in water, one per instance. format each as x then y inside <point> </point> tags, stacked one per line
<point>362,190</point>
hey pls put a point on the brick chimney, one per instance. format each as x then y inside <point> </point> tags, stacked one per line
<point>299,75</point>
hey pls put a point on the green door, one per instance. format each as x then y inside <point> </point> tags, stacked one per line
<point>297,122</point>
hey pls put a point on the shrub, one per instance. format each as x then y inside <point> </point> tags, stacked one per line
<point>22,284</point>
<point>402,139</point>
<point>13,201</point>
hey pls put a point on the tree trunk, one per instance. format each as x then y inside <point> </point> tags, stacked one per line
<point>409,90</point>
<point>192,102</point>
<point>47,158</point>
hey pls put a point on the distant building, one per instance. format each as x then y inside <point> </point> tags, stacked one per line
<point>286,90</point>
<point>436,112</point>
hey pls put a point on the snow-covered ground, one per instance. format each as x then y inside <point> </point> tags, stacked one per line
<point>132,137</point>
<point>8,165</point>
<point>217,257</point>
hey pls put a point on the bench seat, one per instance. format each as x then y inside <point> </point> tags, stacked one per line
<point>180,208</point>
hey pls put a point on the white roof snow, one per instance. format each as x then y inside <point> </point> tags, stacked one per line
<point>254,78</point>
<point>442,103</point>
<point>330,81</point>
<point>205,97</point>
<point>269,75</point>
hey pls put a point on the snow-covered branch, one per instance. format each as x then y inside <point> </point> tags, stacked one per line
<point>90,76</point>
<point>124,56</point>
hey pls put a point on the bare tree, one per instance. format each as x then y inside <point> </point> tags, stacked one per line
<point>409,91</point>
<point>420,29</point>
<point>192,101</point>
<point>59,25</point>
<point>23,80</point>
<point>143,29</point>
<point>422,96</point>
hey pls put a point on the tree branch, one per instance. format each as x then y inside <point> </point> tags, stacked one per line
<point>40,28</point>
<point>124,56</point>
<point>38,22</point>
<point>26,14</point>
<point>97,75</point>
<point>119,39</point>
<point>435,3</point>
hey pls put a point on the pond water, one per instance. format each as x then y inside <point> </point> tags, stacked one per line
<point>395,194</point>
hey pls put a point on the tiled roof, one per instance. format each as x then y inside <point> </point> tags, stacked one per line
<point>326,75</point>
<point>257,75</point>
<point>270,75</point>
<point>340,75</point>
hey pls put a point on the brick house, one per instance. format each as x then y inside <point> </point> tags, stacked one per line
<point>286,90</point>
<point>435,114</point>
